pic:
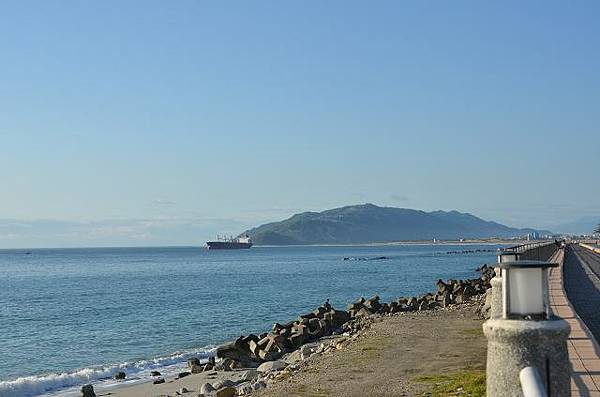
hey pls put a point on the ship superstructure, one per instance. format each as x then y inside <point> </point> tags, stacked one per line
<point>230,243</point>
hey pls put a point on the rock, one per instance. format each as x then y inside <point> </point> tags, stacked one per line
<point>373,303</point>
<point>293,357</point>
<point>444,299</point>
<point>297,339</point>
<point>300,329</point>
<point>244,389</point>
<point>228,364</point>
<point>268,356</point>
<point>306,349</point>
<point>363,312</point>
<point>250,374</point>
<point>120,375</point>
<point>253,346</point>
<point>87,391</point>
<point>154,373</point>
<point>207,389</point>
<point>259,385</point>
<point>343,342</point>
<point>193,361</point>
<point>228,391</point>
<point>231,351</point>
<point>224,383</point>
<point>272,366</point>
<point>183,390</point>
<point>196,368</point>
<point>158,381</point>
<point>183,374</point>
<point>441,286</point>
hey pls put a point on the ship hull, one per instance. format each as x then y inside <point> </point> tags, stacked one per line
<point>227,245</point>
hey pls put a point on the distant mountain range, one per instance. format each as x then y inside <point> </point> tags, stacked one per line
<point>368,223</point>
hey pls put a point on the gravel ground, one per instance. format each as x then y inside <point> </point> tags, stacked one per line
<point>386,359</point>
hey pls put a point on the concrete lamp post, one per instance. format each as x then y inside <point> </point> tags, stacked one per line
<point>525,290</point>
<point>496,282</point>
<point>526,334</point>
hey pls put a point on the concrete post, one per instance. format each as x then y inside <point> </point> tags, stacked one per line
<point>496,282</point>
<point>516,344</point>
<point>496,304</point>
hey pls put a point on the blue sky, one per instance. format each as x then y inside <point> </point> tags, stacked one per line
<point>160,122</point>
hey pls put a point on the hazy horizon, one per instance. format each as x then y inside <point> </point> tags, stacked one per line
<point>159,232</point>
<point>147,123</point>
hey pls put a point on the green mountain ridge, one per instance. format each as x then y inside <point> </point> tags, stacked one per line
<point>368,223</point>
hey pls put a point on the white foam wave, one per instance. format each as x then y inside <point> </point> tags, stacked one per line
<point>50,384</point>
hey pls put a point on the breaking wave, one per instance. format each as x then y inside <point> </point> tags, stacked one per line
<point>59,383</point>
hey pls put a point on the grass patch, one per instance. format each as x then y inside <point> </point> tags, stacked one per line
<point>464,383</point>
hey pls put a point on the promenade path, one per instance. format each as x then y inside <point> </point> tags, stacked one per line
<point>575,296</point>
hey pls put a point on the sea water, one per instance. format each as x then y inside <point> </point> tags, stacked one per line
<point>74,316</point>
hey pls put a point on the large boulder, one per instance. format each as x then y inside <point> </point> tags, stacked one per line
<point>412,304</point>
<point>339,317</point>
<point>363,312</point>
<point>441,286</point>
<point>296,339</point>
<point>269,366</point>
<point>234,351</point>
<point>445,299</point>
<point>373,304</point>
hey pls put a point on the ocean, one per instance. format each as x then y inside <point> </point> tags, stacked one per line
<point>73,316</point>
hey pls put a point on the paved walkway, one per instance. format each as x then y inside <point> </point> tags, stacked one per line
<point>584,351</point>
<point>582,285</point>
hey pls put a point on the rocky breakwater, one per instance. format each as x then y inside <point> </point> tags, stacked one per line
<point>254,361</point>
<point>274,356</point>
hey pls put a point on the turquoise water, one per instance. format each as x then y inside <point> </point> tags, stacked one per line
<point>74,315</point>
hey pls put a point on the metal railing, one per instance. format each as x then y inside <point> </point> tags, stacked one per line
<point>541,250</point>
<point>594,248</point>
<point>532,383</point>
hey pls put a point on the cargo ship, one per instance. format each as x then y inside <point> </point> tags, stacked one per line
<point>223,243</point>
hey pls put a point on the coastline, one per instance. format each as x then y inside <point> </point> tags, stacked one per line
<point>240,366</point>
<point>405,243</point>
<point>381,244</point>
<point>431,343</point>
<point>170,303</point>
